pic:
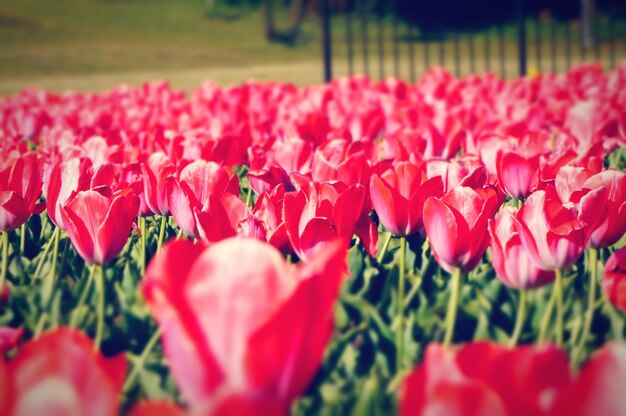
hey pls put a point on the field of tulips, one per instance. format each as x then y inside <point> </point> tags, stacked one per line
<point>367,248</point>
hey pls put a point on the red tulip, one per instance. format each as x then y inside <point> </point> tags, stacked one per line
<point>20,187</point>
<point>611,230</point>
<point>465,171</point>
<point>9,338</point>
<point>268,220</point>
<point>220,218</point>
<point>485,378</point>
<point>156,408</point>
<point>63,180</point>
<point>555,235</point>
<point>456,226</point>
<point>239,322</point>
<point>614,281</point>
<point>518,174</point>
<point>321,212</point>
<point>151,182</point>
<point>599,387</point>
<point>398,196</point>
<point>511,260</point>
<point>200,184</point>
<point>99,222</point>
<point>60,373</point>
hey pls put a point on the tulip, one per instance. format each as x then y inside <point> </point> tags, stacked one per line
<point>599,387</point>
<point>398,195</point>
<point>321,212</point>
<point>268,214</point>
<point>465,171</point>
<point>59,373</point>
<point>614,281</point>
<point>20,187</point>
<point>518,174</point>
<point>555,236</point>
<point>511,262</point>
<point>484,378</point>
<point>456,226</point>
<point>242,327</point>
<point>609,231</point>
<point>199,183</point>
<point>99,222</point>
<point>156,408</point>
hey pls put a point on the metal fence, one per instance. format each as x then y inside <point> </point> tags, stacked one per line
<point>377,39</point>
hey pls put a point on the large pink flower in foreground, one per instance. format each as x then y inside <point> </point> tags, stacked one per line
<point>243,329</point>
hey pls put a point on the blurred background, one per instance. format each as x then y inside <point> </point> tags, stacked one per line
<point>92,45</point>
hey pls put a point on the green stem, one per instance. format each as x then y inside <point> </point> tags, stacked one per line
<point>593,279</point>
<point>249,197</point>
<point>40,325</point>
<point>161,233</point>
<point>43,256</point>
<point>139,363</point>
<point>400,299</point>
<point>23,238</point>
<point>49,283</point>
<point>519,320</point>
<point>75,321</point>
<point>142,231</point>
<point>455,291</point>
<point>547,314</point>
<point>5,260</point>
<point>100,306</point>
<point>559,308</point>
<point>383,250</point>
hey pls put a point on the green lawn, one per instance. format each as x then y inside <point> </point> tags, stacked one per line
<point>95,44</point>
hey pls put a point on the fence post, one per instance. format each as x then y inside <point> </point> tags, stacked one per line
<point>326,45</point>
<point>521,37</point>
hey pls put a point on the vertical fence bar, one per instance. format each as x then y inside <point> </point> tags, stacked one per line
<point>364,37</point>
<point>326,46</point>
<point>394,35</point>
<point>553,41</point>
<point>611,42</point>
<point>349,37</point>
<point>538,43</point>
<point>472,52</point>
<point>457,52</point>
<point>410,39</point>
<point>568,45</point>
<point>381,51</point>
<point>486,43</point>
<point>501,50</point>
<point>521,37</point>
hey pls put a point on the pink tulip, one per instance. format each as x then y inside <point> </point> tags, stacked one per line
<point>20,187</point>
<point>456,226</point>
<point>242,327</point>
<point>511,261</point>
<point>99,222</point>
<point>614,281</point>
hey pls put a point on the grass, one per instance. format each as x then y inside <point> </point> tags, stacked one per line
<point>95,44</point>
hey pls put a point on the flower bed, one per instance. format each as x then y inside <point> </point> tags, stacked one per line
<point>357,247</point>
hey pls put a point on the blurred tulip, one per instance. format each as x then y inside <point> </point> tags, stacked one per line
<point>511,260</point>
<point>240,323</point>
<point>614,281</point>
<point>466,171</point>
<point>63,180</point>
<point>60,373</point>
<point>99,222</point>
<point>555,235</point>
<point>9,338</point>
<point>599,387</point>
<point>456,226</point>
<point>20,188</point>
<point>156,408</point>
<point>398,196</point>
<point>483,378</point>
<point>611,230</point>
